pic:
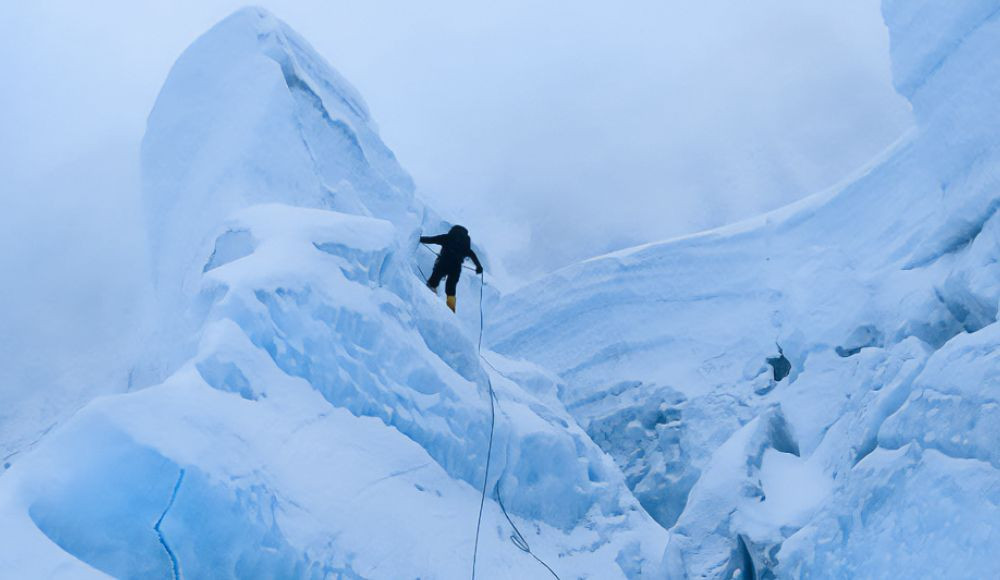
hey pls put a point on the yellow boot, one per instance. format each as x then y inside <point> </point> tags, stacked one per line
<point>451,302</point>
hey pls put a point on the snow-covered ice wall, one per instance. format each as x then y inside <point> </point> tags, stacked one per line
<point>249,115</point>
<point>813,393</point>
<point>312,410</point>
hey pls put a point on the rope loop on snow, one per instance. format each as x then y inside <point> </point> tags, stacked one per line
<point>517,538</point>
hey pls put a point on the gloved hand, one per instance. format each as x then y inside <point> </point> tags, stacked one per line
<point>479,269</point>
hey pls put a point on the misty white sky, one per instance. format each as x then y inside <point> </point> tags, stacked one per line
<point>554,130</point>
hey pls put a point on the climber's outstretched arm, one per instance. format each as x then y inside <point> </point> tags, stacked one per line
<point>439,240</point>
<point>475,260</point>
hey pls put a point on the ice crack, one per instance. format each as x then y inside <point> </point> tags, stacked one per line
<point>163,541</point>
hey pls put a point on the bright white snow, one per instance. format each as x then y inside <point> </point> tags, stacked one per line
<point>876,455</point>
<point>312,410</point>
<point>809,394</point>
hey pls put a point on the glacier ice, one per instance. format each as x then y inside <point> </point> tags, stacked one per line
<point>309,410</point>
<point>881,293</point>
<point>811,393</point>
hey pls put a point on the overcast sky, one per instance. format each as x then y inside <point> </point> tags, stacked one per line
<point>554,130</point>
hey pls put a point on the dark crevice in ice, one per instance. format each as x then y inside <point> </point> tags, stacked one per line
<point>176,567</point>
<point>780,364</point>
<point>741,564</point>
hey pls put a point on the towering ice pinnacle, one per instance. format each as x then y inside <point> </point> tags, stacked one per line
<point>814,393</point>
<point>312,410</point>
<point>250,113</point>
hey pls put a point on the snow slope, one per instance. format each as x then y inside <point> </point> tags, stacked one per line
<point>813,393</point>
<point>307,409</point>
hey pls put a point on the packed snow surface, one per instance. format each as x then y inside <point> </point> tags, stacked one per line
<point>813,393</point>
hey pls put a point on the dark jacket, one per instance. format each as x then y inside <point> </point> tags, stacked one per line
<point>456,246</point>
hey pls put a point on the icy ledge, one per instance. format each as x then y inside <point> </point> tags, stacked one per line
<point>329,424</point>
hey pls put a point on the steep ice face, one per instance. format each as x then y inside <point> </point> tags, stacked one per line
<point>333,421</point>
<point>322,414</point>
<point>925,34</point>
<point>879,298</point>
<point>251,114</point>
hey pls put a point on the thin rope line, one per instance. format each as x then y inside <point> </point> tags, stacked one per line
<point>438,254</point>
<point>516,538</point>
<point>486,476</point>
<point>482,284</point>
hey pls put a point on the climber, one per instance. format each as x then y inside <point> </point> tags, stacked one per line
<point>456,246</point>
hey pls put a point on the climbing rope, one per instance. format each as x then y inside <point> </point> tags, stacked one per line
<point>516,538</point>
<point>489,449</point>
<point>438,254</point>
